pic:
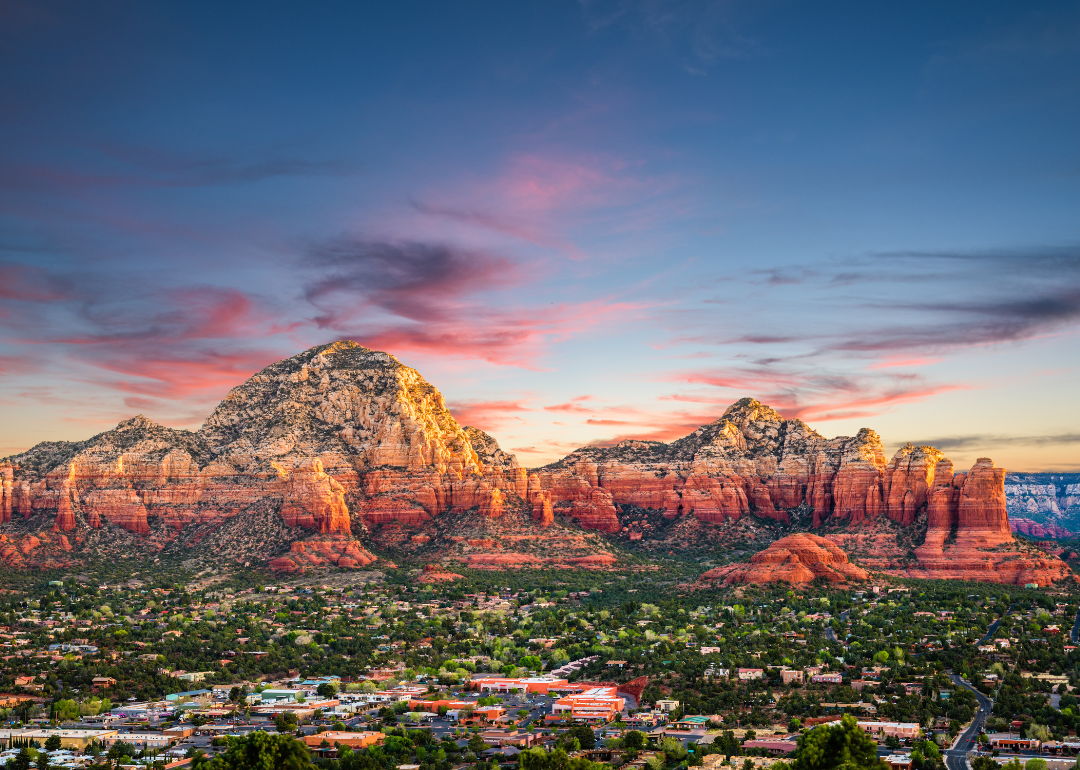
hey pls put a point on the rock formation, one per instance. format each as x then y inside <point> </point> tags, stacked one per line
<point>336,439</point>
<point>1050,500</point>
<point>792,559</point>
<point>1037,530</point>
<point>340,442</point>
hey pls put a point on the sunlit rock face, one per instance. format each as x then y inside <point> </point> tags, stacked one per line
<point>327,445</point>
<point>792,559</point>
<point>752,460</point>
<point>335,439</point>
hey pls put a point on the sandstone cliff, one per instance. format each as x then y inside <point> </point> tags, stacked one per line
<point>1051,501</point>
<point>339,449</point>
<point>792,559</point>
<point>336,439</point>
<point>752,460</point>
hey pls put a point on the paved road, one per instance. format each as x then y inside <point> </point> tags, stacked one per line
<point>956,758</point>
<point>994,626</point>
<point>830,634</point>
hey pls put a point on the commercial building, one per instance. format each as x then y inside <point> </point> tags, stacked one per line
<point>901,730</point>
<point>352,740</point>
<point>537,684</point>
<point>593,705</point>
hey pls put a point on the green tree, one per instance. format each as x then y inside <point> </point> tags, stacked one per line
<point>262,751</point>
<point>22,760</point>
<point>326,690</point>
<point>583,734</point>
<point>1035,763</point>
<point>53,743</point>
<point>634,739</point>
<point>840,745</point>
<point>673,749</point>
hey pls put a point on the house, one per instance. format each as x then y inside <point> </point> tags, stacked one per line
<point>901,730</point>
<point>696,722</point>
<point>834,678</point>
<point>746,674</point>
<point>667,706</point>
<point>520,739</point>
<point>352,740</point>
<point>772,747</point>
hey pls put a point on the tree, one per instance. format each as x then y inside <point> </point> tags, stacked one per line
<point>583,734</point>
<point>53,743</point>
<point>634,739</point>
<point>837,745</point>
<point>262,751</point>
<point>673,749</point>
<point>22,760</point>
<point>326,691</point>
<point>43,761</point>
<point>1035,764</point>
<point>984,763</point>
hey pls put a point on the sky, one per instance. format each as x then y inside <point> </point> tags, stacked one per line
<point>581,221</point>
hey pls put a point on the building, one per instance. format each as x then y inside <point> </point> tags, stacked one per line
<point>901,730</point>
<point>522,740</point>
<point>1012,741</point>
<point>667,706</point>
<point>69,739</point>
<point>776,748</point>
<point>140,741</point>
<point>898,761</point>
<point>695,722</point>
<point>746,674</point>
<point>352,740</point>
<point>537,684</point>
<point>835,678</point>
<point>789,675</point>
<point>594,705</point>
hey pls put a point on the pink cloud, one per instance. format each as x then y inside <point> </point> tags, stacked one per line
<point>538,197</point>
<point>572,406</point>
<point>816,396</point>
<point>891,363</point>
<point>517,337</point>
<point>487,415</point>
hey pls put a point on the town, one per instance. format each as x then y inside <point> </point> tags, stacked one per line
<point>393,671</point>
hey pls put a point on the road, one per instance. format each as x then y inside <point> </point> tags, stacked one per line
<point>956,758</point>
<point>994,626</point>
<point>831,635</point>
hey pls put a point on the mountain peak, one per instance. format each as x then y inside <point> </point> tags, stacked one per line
<point>747,410</point>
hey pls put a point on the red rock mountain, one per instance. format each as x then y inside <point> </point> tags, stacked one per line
<point>793,559</point>
<point>312,453</point>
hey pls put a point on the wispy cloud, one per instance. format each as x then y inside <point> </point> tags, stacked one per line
<point>438,299</point>
<point>988,441</point>
<point>488,415</point>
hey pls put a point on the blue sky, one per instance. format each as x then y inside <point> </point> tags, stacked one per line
<point>581,221</point>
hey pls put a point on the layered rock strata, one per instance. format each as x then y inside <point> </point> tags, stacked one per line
<point>792,559</point>
<point>337,439</point>
<point>340,440</point>
<point>752,460</point>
